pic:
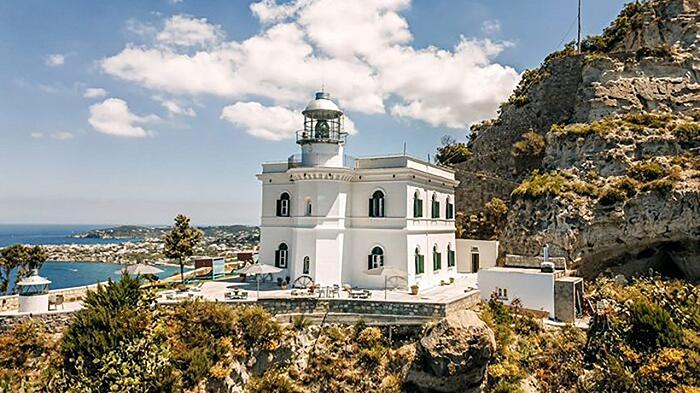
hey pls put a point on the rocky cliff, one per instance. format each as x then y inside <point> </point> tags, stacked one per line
<point>596,153</point>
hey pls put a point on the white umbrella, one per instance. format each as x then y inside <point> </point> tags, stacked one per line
<point>257,269</point>
<point>386,271</point>
<point>140,269</point>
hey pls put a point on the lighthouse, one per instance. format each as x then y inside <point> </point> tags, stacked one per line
<point>322,139</point>
<point>329,220</point>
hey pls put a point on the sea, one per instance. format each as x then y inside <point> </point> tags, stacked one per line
<point>65,274</point>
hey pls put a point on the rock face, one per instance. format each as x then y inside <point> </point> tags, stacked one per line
<point>646,63</point>
<point>453,355</point>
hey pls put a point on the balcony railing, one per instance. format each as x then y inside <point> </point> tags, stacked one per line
<point>330,136</point>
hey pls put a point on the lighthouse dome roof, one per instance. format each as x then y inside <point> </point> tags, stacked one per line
<point>322,107</point>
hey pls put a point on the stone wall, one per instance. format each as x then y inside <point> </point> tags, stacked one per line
<point>55,322</point>
<point>533,262</point>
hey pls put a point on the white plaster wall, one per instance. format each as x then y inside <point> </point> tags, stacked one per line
<point>488,254</point>
<point>394,200</point>
<point>426,241</point>
<point>535,290</point>
<point>328,155</point>
<point>363,240</point>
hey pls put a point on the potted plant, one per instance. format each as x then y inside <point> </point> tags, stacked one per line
<point>452,280</point>
<point>414,289</point>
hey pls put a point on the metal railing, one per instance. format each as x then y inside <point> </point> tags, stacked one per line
<point>330,136</point>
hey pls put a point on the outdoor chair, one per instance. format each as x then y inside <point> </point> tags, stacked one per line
<point>57,301</point>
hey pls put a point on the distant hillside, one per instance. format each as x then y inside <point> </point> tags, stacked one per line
<point>143,232</point>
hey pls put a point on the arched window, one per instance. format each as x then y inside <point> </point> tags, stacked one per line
<point>417,205</point>
<point>450,256</point>
<point>419,260</point>
<point>283,205</point>
<point>449,209</point>
<point>307,265</point>
<point>376,204</point>
<point>437,259</point>
<point>375,258</point>
<point>436,207</point>
<point>282,256</point>
<point>308,206</point>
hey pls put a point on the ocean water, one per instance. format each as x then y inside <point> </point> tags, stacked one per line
<point>67,274</point>
<point>50,234</point>
<point>76,274</point>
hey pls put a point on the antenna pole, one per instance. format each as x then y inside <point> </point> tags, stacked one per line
<point>578,41</point>
<point>404,148</point>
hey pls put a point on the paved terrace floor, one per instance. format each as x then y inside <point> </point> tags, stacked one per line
<point>216,290</point>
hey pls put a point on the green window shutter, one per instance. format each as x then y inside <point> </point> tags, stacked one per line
<point>450,258</point>
<point>279,208</point>
<point>277,258</point>
<point>420,264</point>
<point>371,207</point>
<point>417,208</point>
<point>437,263</point>
<point>369,262</point>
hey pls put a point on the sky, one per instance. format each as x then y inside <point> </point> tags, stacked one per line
<point>132,111</point>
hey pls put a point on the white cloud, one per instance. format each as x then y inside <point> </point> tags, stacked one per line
<point>112,116</point>
<point>491,27</point>
<point>59,135</point>
<point>175,108</point>
<point>55,60</point>
<point>361,52</point>
<point>185,31</point>
<point>94,92</point>
<point>62,135</point>
<point>269,122</point>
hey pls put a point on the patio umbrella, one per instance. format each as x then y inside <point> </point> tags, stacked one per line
<point>140,269</point>
<point>386,271</point>
<point>257,269</point>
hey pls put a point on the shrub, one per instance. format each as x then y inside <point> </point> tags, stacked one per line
<point>530,145</point>
<point>197,350</point>
<point>646,171</point>
<point>300,322</point>
<point>496,208</point>
<point>687,131</point>
<point>259,327</point>
<point>651,120</point>
<point>611,196</point>
<point>272,381</point>
<point>662,185</point>
<point>451,152</point>
<point>652,327</point>
<point>113,343</point>
<point>553,184</point>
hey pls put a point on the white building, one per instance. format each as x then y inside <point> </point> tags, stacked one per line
<point>332,218</point>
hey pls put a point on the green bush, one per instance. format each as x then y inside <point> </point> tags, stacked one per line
<point>112,343</point>
<point>272,381</point>
<point>259,327</point>
<point>687,131</point>
<point>611,196</point>
<point>530,145</point>
<point>652,327</point>
<point>646,171</point>
<point>451,152</point>
<point>554,184</point>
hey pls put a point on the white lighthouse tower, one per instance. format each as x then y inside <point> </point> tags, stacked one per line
<point>322,138</point>
<point>330,220</point>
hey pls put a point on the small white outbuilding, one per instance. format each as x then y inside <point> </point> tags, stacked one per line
<point>34,293</point>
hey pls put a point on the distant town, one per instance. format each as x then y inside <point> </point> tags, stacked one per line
<point>145,244</point>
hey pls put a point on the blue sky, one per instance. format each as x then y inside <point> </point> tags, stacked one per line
<point>133,111</point>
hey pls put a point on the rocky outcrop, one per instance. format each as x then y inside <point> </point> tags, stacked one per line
<point>592,108</point>
<point>453,355</point>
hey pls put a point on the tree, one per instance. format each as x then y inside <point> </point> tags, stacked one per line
<point>451,152</point>
<point>180,242</point>
<point>21,259</point>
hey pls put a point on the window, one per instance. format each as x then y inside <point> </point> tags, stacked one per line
<point>420,262</point>
<point>308,206</point>
<point>436,207</point>
<point>502,293</point>
<point>307,265</point>
<point>450,256</point>
<point>283,205</point>
<point>376,258</point>
<point>376,204</point>
<point>449,209</point>
<point>282,256</point>
<point>437,259</point>
<point>417,205</point>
